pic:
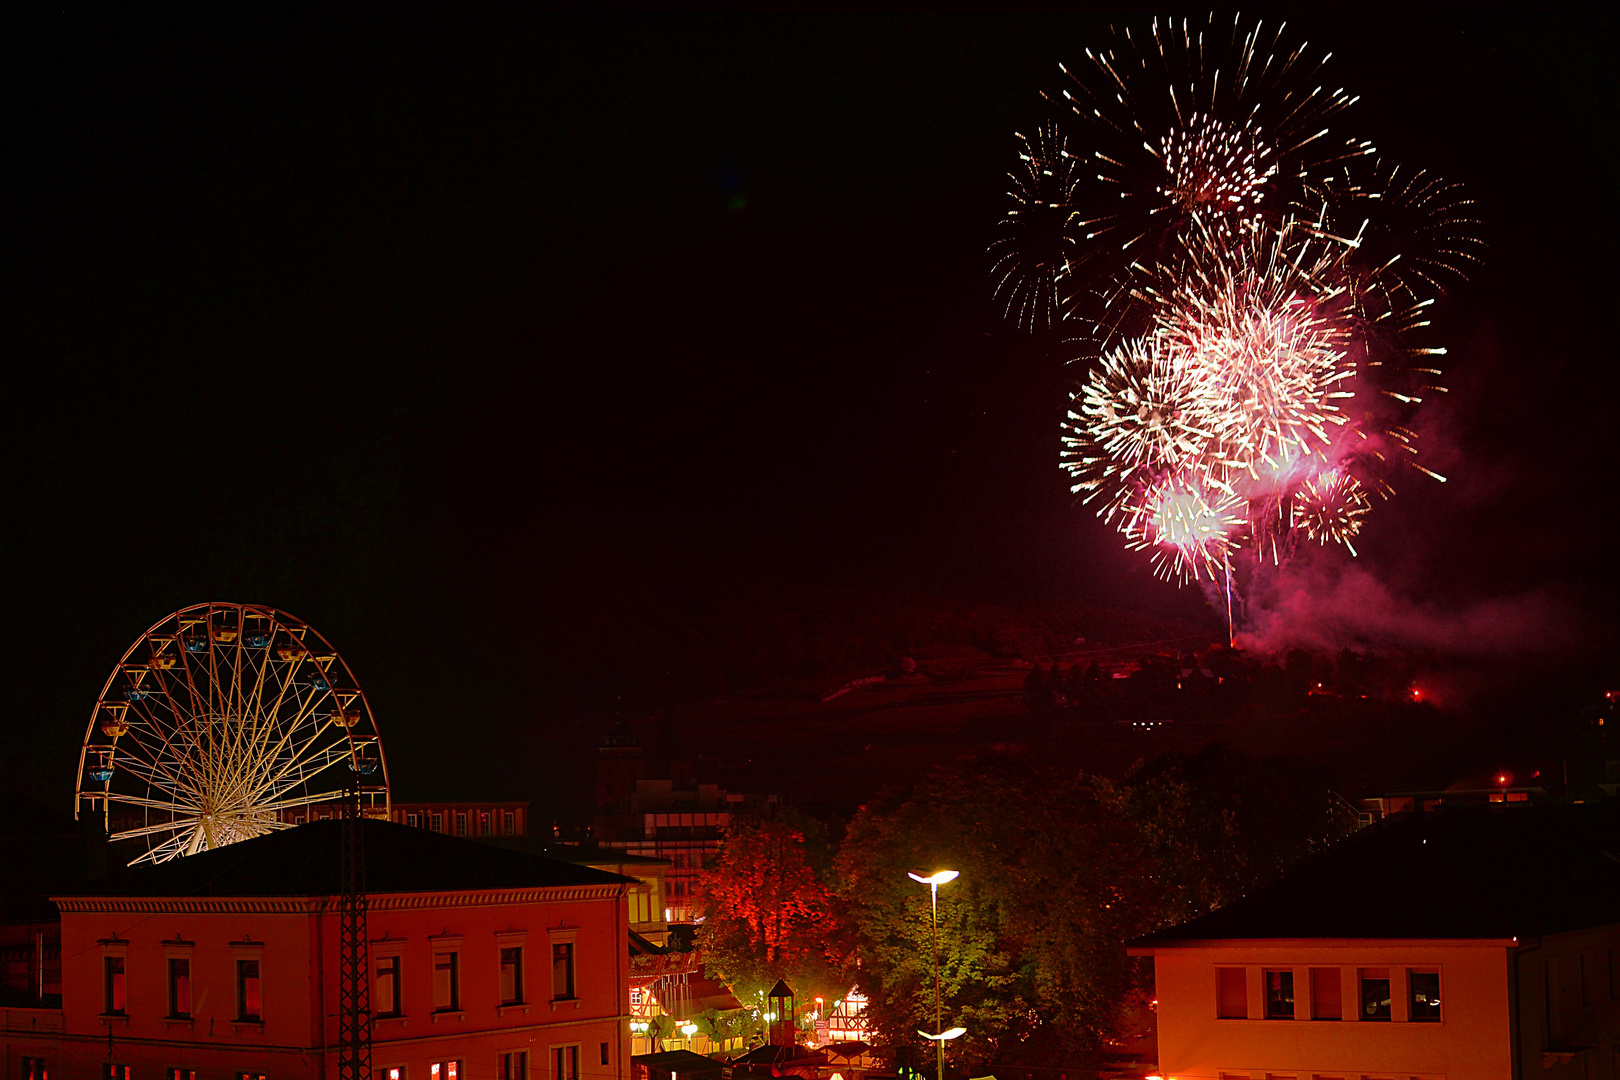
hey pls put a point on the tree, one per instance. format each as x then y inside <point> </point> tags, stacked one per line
<point>767,915</point>
<point>1030,934</point>
<point>1218,824</point>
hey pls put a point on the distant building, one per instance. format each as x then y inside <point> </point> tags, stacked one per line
<point>1462,944</point>
<point>485,964</point>
<point>469,819</point>
<point>472,820</point>
<point>678,820</point>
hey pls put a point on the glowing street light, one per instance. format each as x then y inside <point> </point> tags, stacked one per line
<point>934,881</point>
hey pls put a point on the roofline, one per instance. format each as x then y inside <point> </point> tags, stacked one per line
<point>308,905</point>
<point>1152,948</point>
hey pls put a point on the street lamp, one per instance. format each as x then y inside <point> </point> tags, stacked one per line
<point>934,881</point>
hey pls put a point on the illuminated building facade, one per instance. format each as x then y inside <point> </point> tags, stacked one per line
<point>485,963</point>
<point>1479,944</point>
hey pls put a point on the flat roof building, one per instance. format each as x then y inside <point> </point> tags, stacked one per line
<point>1473,944</point>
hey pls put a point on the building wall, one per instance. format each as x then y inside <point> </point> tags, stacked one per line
<point>1569,1006</point>
<point>469,819</point>
<point>1471,1041</point>
<point>297,942</point>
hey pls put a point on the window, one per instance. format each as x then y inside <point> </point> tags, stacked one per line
<point>110,1071</point>
<point>461,823</point>
<point>565,1063</point>
<point>1231,994</point>
<point>445,1070</point>
<point>413,820</point>
<point>114,1001</point>
<point>385,998</point>
<point>509,823</point>
<point>1423,995</point>
<point>604,1053</point>
<point>179,1074</point>
<point>483,823</point>
<point>1279,995</point>
<point>391,1072</point>
<point>513,1066</point>
<point>446,982</point>
<point>635,995</point>
<point>33,1068</point>
<point>1327,1001</point>
<point>1375,993</point>
<point>250,1076</point>
<point>179,990</point>
<point>512,976</point>
<point>437,821</point>
<point>248,1003</point>
<point>562,970</point>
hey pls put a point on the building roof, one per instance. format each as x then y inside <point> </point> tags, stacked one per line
<point>679,1061</point>
<point>304,861</point>
<point>1485,873</point>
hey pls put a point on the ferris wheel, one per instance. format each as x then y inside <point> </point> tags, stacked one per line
<point>224,722</point>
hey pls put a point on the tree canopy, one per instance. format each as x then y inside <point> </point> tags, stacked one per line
<point>1057,871</point>
<point>767,915</point>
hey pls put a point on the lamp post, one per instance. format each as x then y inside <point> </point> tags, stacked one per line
<point>934,881</point>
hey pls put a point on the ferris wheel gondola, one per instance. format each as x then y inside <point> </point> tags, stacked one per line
<point>224,722</point>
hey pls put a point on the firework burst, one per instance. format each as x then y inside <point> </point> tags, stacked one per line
<point>1259,324</point>
<point>1201,117</point>
<point>1257,285</point>
<point>1039,242</point>
<point>1330,507</point>
<point>1141,413</point>
<point>1189,528</point>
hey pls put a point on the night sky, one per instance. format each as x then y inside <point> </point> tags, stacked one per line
<point>448,332</point>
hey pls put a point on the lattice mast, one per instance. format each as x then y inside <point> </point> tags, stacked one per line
<point>354,991</point>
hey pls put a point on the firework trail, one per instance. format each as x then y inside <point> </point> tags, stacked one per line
<point>1256,285</point>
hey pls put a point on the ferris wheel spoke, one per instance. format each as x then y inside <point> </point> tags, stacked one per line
<point>154,830</point>
<point>306,769</point>
<point>153,724</point>
<point>303,800</point>
<point>288,736</point>
<point>154,774</point>
<point>284,756</point>
<point>159,765</point>
<point>162,852</point>
<point>153,804</point>
<point>267,741</point>
<point>264,724</point>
